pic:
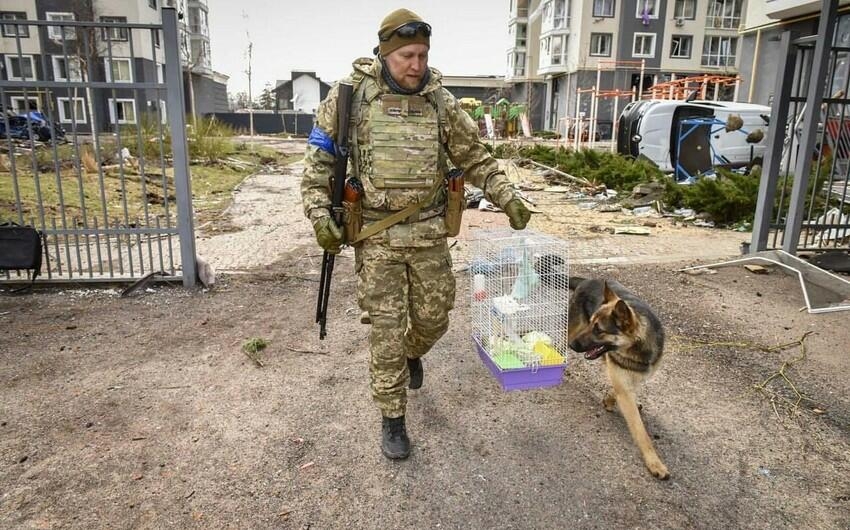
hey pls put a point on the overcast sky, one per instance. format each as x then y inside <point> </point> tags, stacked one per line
<point>325,36</point>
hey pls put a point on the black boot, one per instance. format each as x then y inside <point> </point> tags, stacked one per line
<point>416,373</point>
<point>395,444</point>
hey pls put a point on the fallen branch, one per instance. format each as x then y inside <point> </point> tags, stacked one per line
<point>579,180</point>
<point>781,374</point>
<point>296,350</point>
<point>254,358</point>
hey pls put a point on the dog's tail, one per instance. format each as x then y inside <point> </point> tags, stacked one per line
<point>575,281</point>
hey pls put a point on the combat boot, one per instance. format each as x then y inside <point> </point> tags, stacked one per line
<point>395,444</point>
<point>416,373</point>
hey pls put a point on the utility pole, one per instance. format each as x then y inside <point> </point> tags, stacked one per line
<point>250,96</point>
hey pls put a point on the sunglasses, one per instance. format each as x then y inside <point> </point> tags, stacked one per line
<point>408,30</point>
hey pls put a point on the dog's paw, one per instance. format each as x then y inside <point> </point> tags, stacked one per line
<point>609,401</point>
<point>658,469</point>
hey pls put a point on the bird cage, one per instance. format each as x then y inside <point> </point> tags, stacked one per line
<point>519,302</point>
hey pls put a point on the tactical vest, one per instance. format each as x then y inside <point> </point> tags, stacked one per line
<point>396,143</point>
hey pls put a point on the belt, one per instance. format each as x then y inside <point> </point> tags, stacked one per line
<point>421,215</point>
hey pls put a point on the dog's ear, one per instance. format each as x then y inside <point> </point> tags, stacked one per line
<point>623,315</point>
<point>609,295</point>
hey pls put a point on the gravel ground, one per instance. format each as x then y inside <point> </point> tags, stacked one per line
<point>143,412</point>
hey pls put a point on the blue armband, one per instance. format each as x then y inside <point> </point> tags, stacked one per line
<point>320,139</point>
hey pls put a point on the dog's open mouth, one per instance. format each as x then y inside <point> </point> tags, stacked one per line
<point>595,352</point>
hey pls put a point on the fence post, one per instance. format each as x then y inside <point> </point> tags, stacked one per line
<point>820,65</point>
<point>775,138</point>
<point>180,150</point>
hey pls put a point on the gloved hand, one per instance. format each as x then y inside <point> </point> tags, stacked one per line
<point>517,213</point>
<point>328,234</point>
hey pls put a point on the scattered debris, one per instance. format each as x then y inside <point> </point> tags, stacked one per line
<point>579,180</point>
<point>756,269</point>
<point>485,205</point>
<point>306,466</point>
<point>252,347</point>
<point>615,207</point>
<point>632,230</point>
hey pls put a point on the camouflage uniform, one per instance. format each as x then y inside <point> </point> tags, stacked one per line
<point>405,279</point>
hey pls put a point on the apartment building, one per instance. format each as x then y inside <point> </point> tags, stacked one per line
<point>54,53</point>
<point>760,33</point>
<point>571,46</point>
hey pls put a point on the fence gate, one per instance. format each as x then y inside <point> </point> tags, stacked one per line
<point>803,196</point>
<point>93,148</point>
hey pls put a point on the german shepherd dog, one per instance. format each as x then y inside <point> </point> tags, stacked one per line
<point>605,320</point>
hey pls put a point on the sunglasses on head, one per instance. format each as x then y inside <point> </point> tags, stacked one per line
<point>408,30</point>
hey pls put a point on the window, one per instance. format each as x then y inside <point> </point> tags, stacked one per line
<point>60,69</point>
<point>56,32</point>
<point>647,9</point>
<point>724,14</point>
<point>561,20</point>
<point>156,37</point>
<point>20,106</point>
<point>19,67</point>
<point>152,4</point>
<point>685,9</point>
<point>680,46</point>
<point>122,111</point>
<point>603,8</point>
<point>719,51</point>
<point>559,47</point>
<point>120,71</point>
<point>11,30</point>
<point>600,44</point>
<point>113,34</point>
<point>644,45</point>
<point>519,64</point>
<point>69,113</point>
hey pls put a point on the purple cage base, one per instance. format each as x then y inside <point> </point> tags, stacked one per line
<point>521,378</point>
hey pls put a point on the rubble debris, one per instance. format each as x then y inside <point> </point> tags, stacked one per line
<point>579,180</point>
<point>632,230</point>
<point>756,269</point>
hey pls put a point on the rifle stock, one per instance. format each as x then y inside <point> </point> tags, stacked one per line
<point>338,185</point>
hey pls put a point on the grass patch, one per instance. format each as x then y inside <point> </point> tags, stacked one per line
<point>212,185</point>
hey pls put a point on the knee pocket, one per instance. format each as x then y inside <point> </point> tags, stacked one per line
<point>383,320</point>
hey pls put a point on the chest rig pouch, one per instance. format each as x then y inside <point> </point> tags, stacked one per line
<point>401,161</point>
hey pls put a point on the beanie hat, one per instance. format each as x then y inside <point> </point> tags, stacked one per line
<point>393,21</point>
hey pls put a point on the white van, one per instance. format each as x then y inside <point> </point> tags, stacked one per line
<point>690,138</point>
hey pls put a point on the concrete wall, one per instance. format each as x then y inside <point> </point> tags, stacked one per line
<point>758,85</point>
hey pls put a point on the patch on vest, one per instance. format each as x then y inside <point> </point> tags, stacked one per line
<point>403,106</point>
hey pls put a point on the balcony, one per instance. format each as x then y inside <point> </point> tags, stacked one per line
<point>781,9</point>
<point>723,22</point>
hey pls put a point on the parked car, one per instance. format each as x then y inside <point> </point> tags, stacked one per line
<point>690,138</point>
<point>20,129</point>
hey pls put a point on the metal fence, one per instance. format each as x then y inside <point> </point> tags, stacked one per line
<point>803,195</point>
<point>93,148</point>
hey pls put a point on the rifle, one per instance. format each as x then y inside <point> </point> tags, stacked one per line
<point>343,110</point>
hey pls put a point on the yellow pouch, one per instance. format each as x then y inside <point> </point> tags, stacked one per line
<point>352,219</point>
<point>455,205</point>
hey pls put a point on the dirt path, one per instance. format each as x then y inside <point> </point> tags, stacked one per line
<point>144,413</point>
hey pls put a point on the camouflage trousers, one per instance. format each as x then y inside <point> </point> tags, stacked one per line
<point>408,293</point>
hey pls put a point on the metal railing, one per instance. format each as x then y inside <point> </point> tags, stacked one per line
<point>804,200</point>
<point>93,168</point>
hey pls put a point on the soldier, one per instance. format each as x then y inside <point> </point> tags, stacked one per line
<point>405,130</point>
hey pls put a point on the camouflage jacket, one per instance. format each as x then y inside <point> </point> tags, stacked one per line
<point>460,140</point>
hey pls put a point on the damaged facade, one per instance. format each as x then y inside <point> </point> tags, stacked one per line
<point>555,47</point>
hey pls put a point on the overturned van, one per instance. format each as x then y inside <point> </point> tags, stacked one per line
<point>691,138</point>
